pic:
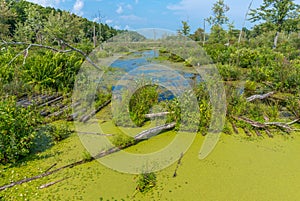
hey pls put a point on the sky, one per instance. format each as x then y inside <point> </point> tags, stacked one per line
<point>164,14</point>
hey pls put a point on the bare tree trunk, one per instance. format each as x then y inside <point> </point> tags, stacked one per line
<point>276,40</point>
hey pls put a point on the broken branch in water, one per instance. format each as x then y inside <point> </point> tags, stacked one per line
<point>141,136</point>
<point>52,183</point>
<point>178,163</point>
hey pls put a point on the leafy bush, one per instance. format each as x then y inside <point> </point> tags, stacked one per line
<point>51,70</point>
<point>58,132</point>
<point>139,105</point>
<point>229,72</point>
<point>122,141</point>
<point>17,130</point>
<point>146,182</point>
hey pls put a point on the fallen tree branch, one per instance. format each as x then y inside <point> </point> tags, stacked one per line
<point>178,163</point>
<point>93,133</point>
<point>293,122</point>
<point>161,114</point>
<point>29,45</point>
<point>141,136</point>
<point>91,114</point>
<point>265,125</point>
<point>52,166</point>
<point>261,97</point>
<point>52,183</point>
<point>153,131</point>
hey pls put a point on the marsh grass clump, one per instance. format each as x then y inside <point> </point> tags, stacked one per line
<point>146,182</point>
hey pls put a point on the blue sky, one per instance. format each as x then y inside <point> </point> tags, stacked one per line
<point>138,14</point>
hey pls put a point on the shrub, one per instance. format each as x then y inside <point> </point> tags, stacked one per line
<point>59,132</point>
<point>146,182</point>
<point>17,130</point>
<point>133,109</point>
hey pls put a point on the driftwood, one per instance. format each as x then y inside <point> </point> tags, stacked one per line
<point>161,114</point>
<point>247,132</point>
<point>52,166</point>
<point>93,133</point>
<point>63,109</point>
<point>153,131</point>
<point>261,97</point>
<point>90,115</point>
<point>234,128</point>
<point>52,183</point>
<point>255,124</point>
<point>258,133</point>
<point>141,136</point>
<point>53,99</point>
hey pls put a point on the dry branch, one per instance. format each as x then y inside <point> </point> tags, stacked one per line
<point>93,133</point>
<point>29,45</point>
<point>141,136</point>
<point>153,131</point>
<point>52,183</point>
<point>161,114</point>
<point>261,97</point>
<point>91,114</point>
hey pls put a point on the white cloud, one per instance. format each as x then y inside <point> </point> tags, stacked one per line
<point>136,1</point>
<point>109,21</point>
<point>117,27</point>
<point>127,27</point>
<point>191,6</point>
<point>131,18</point>
<point>120,10</point>
<point>77,8</point>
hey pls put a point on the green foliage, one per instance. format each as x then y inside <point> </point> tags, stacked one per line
<point>293,105</point>
<point>133,109</point>
<point>122,140</point>
<point>51,70</point>
<point>17,130</point>
<point>146,182</point>
<point>219,53</point>
<point>185,28</point>
<point>57,132</point>
<point>229,72</point>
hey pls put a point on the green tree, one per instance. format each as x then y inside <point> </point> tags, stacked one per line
<point>5,16</point>
<point>185,30</point>
<point>198,35</point>
<point>217,20</point>
<point>277,14</point>
<point>32,29</point>
<point>63,26</point>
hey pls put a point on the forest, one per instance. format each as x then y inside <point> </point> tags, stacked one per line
<point>43,56</point>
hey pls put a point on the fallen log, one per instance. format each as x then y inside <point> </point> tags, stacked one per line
<point>49,102</point>
<point>234,128</point>
<point>285,126</point>
<point>52,183</point>
<point>141,136</point>
<point>93,133</point>
<point>258,133</point>
<point>52,166</point>
<point>91,114</point>
<point>153,131</point>
<point>261,97</point>
<point>161,114</point>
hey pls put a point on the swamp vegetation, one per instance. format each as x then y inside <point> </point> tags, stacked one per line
<point>42,151</point>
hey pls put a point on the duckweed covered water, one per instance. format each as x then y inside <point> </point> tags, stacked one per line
<point>239,168</point>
